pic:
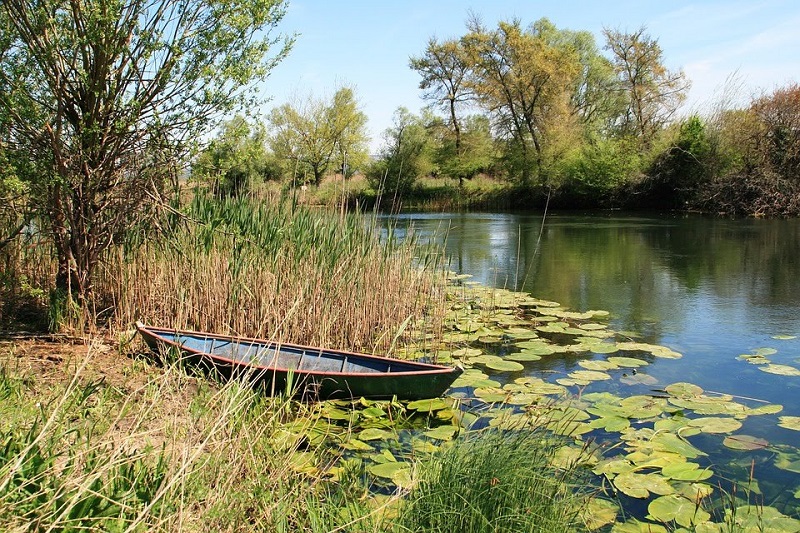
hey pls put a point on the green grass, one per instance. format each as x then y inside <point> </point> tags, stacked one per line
<point>494,481</point>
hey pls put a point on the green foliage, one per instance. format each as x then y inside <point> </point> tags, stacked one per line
<point>475,153</point>
<point>599,169</point>
<point>681,169</point>
<point>653,93</point>
<point>109,97</point>
<point>316,136</point>
<point>525,79</point>
<point>494,481</point>
<point>53,474</point>
<point>236,160</point>
<point>406,156</point>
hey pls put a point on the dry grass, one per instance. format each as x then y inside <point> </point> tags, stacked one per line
<point>307,277</point>
<point>93,440</point>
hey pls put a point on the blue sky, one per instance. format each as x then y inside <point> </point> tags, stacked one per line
<point>367,44</point>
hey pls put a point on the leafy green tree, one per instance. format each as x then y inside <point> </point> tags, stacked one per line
<point>652,92</point>
<point>476,153</point>
<point>111,94</point>
<point>445,69</point>
<point>319,136</point>
<point>406,156</point>
<point>596,98</point>
<point>236,159</point>
<point>682,169</point>
<point>778,138</point>
<point>525,83</point>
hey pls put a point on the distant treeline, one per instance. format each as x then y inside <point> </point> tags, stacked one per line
<point>546,113</point>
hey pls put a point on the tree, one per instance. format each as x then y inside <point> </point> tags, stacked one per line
<point>653,93</point>
<point>405,156</point>
<point>235,160</point>
<point>445,69</point>
<point>525,84</point>
<point>112,93</point>
<point>778,138</point>
<point>476,153</point>
<point>596,98</point>
<point>321,135</point>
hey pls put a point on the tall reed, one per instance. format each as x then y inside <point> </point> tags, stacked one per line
<point>304,276</point>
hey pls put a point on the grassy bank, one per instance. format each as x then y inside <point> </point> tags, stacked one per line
<point>118,444</point>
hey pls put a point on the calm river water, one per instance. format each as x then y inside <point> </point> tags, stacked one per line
<point>710,289</point>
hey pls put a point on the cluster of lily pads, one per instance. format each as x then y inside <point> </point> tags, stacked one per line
<point>530,362</point>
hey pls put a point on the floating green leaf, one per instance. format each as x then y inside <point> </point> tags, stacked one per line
<point>684,389</point>
<point>442,432</point>
<point>674,507</point>
<point>640,378</point>
<point>781,370</point>
<point>434,404</point>
<point>627,362</point>
<point>603,348</point>
<point>504,366</point>
<point>641,485</point>
<point>686,471</point>
<point>589,375</point>
<point>390,470</point>
<point>716,424</point>
<point>765,352</point>
<point>784,337</point>
<point>597,365</point>
<point>374,434</point>
<point>789,422</point>
<point>745,442</point>
<point>635,526</point>
<point>523,356</point>
<point>599,512</point>
<point>763,518</point>
<point>769,409</point>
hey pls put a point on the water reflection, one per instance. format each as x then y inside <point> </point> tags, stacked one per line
<point>710,288</point>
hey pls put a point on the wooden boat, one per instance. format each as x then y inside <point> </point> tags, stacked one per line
<point>313,372</point>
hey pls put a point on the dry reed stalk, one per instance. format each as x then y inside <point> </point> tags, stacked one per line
<point>356,305</point>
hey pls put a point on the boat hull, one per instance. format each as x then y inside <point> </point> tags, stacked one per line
<point>313,373</point>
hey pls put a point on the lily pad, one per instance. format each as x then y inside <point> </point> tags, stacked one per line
<point>434,404</point>
<point>390,470</point>
<point>673,507</point>
<point>503,365</point>
<point>763,518</point>
<point>442,432</point>
<point>523,356</point>
<point>641,485</point>
<point>599,512</point>
<point>627,362</point>
<point>686,471</point>
<point>789,422</point>
<point>597,365</point>
<point>635,526</point>
<point>640,378</point>
<point>374,434</point>
<point>781,370</point>
<point>589,375</point>
<point>683,389</point>
<point>603,348</point>
<point>745,442</point>
<point>716,424</point>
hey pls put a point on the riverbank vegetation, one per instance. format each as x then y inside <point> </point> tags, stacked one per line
<point>101,111</point>
<point>550,117</point>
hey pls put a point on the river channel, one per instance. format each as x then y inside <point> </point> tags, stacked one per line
<point>712,289</point>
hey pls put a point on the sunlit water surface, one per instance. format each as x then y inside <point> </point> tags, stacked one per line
<point>708,288</point>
